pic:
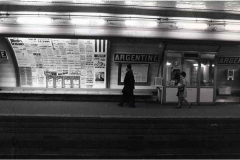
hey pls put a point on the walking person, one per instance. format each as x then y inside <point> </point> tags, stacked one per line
<point>182,91</point>
<point>127,96</point>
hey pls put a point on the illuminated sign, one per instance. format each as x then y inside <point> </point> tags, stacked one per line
<point>123,57</point>
<point>229,60</point>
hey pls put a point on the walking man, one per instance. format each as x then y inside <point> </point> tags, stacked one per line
<point>127,96</point>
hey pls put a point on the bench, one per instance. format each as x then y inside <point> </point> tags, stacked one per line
<point>73,94</point>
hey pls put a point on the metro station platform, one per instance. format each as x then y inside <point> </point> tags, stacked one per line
<point>110,109</point>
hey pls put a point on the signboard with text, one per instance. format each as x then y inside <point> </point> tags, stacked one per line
<point>229,60</point>
<point>125,57</point>
<point>3,55</point>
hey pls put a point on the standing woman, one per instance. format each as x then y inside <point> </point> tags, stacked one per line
<point>182,91</point>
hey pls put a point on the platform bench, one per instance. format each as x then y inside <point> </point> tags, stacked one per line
<point>73,94</point>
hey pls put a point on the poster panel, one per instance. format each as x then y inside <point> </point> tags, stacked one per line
<point>140,72</point>
<point>85,58</point>
<point>67,82</point>
<point>76,82</point>
<point>59,82</point>
<point>50,81</point>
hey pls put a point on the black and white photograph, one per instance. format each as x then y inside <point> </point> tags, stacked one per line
<point>119,79</point>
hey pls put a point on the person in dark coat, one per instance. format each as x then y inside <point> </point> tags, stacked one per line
<point>128,96</point>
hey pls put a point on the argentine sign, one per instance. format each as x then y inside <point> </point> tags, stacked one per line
<point>123,57</point>
<point>3,55</point>
<point>229,60</point>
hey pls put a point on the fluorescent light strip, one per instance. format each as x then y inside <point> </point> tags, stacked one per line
<point>88,1</point>
<point>134,23</point>
<point>34,20</point>
<point>36,0</point>
<point>192,25</point>
<point>232,27</point>
<point>86,22</point>
<point>168,64</point>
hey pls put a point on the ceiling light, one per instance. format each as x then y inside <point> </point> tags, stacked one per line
<point>129,3</point>
<point>36,0</point>
<point>145,3</point>
<point>191,25</point>
<point>191,5</point>
<point>34,20</point>
<point>232,27</point>
<point>86,22</point>
<point>168,64</point>
<point>195,65</point>
<point>89,1</point>
<point>134,23</point>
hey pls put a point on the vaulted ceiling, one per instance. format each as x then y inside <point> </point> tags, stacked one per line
<point>194,9</point>
<point>215,12</point>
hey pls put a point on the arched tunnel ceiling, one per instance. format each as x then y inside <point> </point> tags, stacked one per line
<point>211,10</point>
<point>192,9</point>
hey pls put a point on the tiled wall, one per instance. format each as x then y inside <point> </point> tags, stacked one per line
<point>7,71</point>
<point>222,69</point>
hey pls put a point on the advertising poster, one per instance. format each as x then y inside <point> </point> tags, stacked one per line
<point>67,81</point>
<point>50,81</point>
<point>83,82</point>
<point>41,81</point>
<point>99,77</point>
<point>100,70</point>
<point>76,82</point>
<point>89,82</point>
<point>60,57</point>
<point>89,46</point>
<point>23,78</point>
<point>100,60</point>
<point>59,82</point>
<point>81,46</point>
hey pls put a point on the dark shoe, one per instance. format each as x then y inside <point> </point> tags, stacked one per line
<point>120,105</point>
<point>178,107</point>
<point>190,105</point>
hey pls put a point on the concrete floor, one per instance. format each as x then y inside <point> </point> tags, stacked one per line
<point>110,109</point>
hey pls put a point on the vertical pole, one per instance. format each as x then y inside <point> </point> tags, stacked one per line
<point>160,66</point>
<point>109,57</point>
<point>215,75</point>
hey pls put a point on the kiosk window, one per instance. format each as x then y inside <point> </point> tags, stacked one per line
<point>207,72</point>
<point>191,68</point>
<point>173,71</point>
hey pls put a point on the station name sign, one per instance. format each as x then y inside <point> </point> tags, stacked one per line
<point>3,55</point>
<point>229,60</point>
<point>123,57</point>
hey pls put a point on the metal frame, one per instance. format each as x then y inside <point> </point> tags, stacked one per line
<point>136,83</point>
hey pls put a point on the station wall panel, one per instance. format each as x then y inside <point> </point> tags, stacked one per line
<point>136,46</point>
<point>7,69</point>
<point>229,51</point>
